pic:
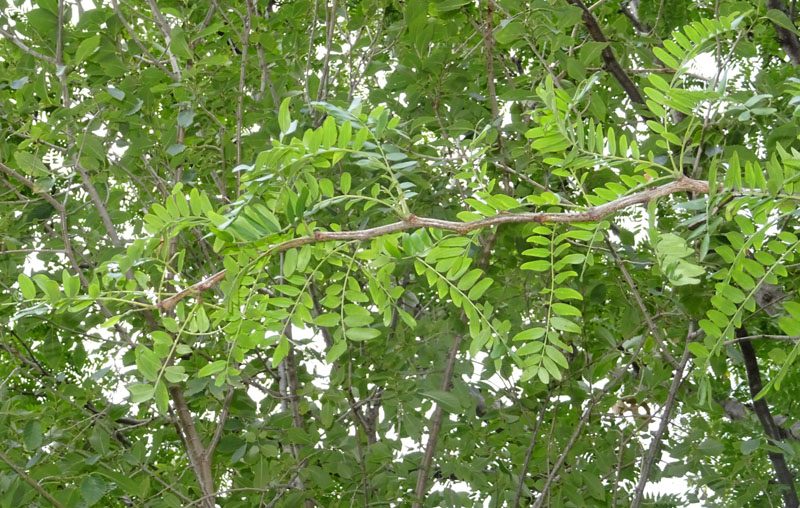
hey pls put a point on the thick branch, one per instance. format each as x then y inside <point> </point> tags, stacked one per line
<point>787,39</point>
<point>611,63</point>
<point>771,429</point>
<point>201,464</point>
<point>592,214</point>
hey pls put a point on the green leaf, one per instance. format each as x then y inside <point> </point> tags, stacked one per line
<point>565,325</point>
<point>338,348</point>
<point>86,48</point>
<point>280,351</point>
<point>115,92</point>
<point>31,164</point>
<point>162,397</point>
<point>71,284</point>
<point>175,373</point>
<point>141,392</point>
<point>284,120</point>
<point>93,488</point>
<point>186,117</point>
<point>529,334</point>
<point>447,400</point>
<point>750,445</point>
<point>480,288</point>
<point>26,286</point>
<point>327,320</point>
<point>345,183</point>
<point>469,279</point>
<point>698,349</point>
<point>360,334</point>
<point>564,309</point>
<point>32,435</point>
<point>780,18</point>
<point>212,368</point>
<point>179,45</point>
<point>148,362</point>
<point>567,294</point>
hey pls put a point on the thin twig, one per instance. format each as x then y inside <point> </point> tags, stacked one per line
<point>651,325</point>
<point>223,417</point>
<point>24,47</point>
<point>30,481</point>
<point>529,453</point>
<point>584,419</point>
<point>436,427</point>
<point>655,443</point>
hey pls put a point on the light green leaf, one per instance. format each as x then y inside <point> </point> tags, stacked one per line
<point>26,286</point>
<point>360,334</point>
<point>86,48</point>
<point>212,368</point>
<point>345,182</point>
<point>141,392</point>
<point>284,120</point>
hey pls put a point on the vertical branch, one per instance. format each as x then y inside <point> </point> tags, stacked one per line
<point>266,78</point>
<point>287,371</point>
<point>312,34</point>
<point>787,39</point>
<point>245,43</point>
<point>784,475</point>
<point>651,325</point>
<point>611,63</point>
<point>529,453</point>
<point>587,412</point>
<point>166,32</point>
<point>330,23</point>
<point>201,464</point>
<point>436,426</point>
<point>488,42</point>
<point>655,444</point>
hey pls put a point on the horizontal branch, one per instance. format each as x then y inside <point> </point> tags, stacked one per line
<point>592,214</point>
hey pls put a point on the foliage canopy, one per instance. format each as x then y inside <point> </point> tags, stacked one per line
<point>384,252</point>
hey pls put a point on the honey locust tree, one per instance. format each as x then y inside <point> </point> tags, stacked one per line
<point>384,252</point>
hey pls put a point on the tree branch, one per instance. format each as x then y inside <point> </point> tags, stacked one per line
<point>651,325</point>
<point>529,453</point>
<point>655,443</point>
<point>436,426</point>
<point>771,429</point>
<point>587,412</point>
<point>201,464</point>
<point>24,47</point>
<point>611,63</point>
<point>223,417</point>
<point>30,481</point>
<point>787,39</point>
<point>591,214</point>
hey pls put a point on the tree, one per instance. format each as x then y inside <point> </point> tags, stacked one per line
<point>383,252</point>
